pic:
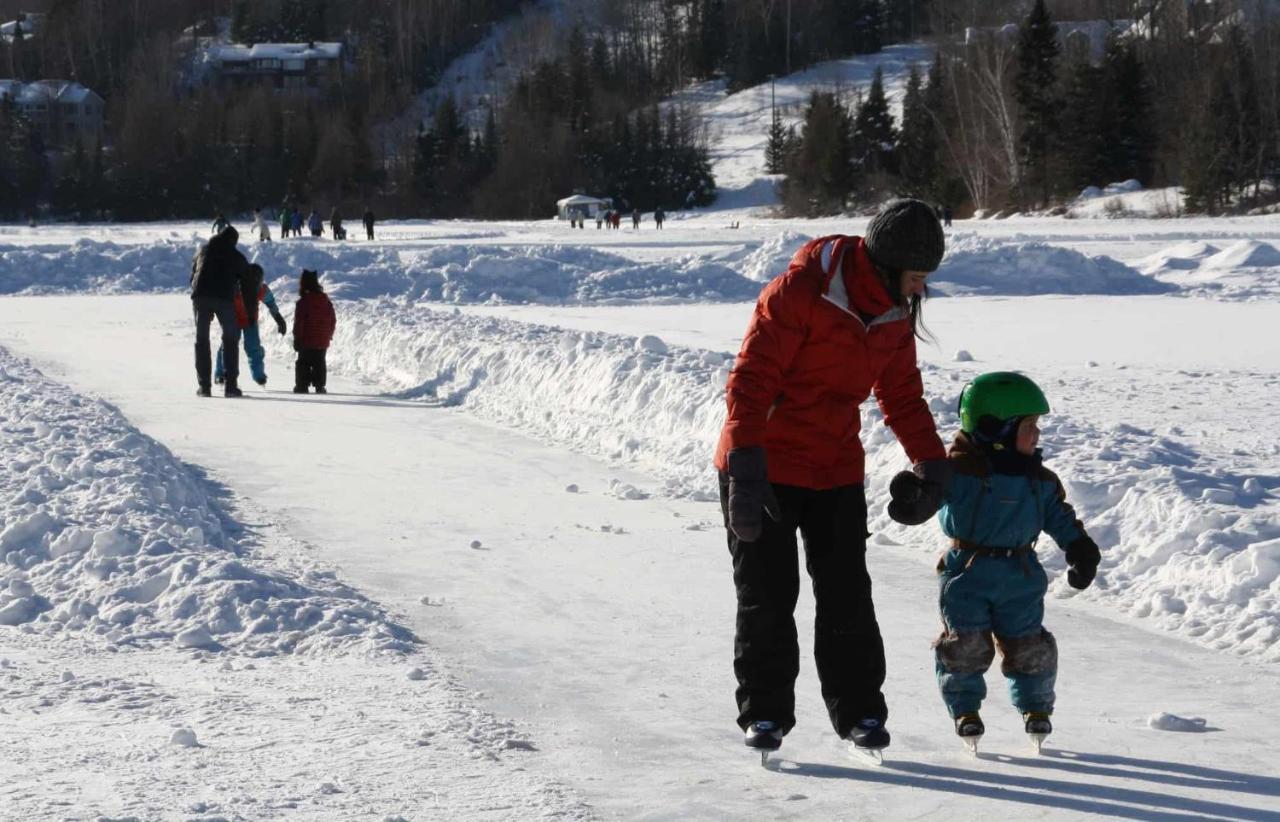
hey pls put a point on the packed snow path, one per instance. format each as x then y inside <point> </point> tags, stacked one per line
<point>605,624</point>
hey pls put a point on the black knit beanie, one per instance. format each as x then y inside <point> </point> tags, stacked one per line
<point>906,236</point>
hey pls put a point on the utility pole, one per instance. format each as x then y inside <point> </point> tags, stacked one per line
<point>788,36</point>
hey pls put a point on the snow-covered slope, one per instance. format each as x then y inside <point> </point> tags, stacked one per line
<point>738,123</point>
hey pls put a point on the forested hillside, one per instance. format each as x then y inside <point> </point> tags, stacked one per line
<point>1026,102</point>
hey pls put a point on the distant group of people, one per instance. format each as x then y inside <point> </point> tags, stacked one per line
<point>292,222</point>
<point>612,218</point>
<point>226,286</point>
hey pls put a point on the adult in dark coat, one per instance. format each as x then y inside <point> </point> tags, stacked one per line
<point>368,222</point>
<point>217,273</point>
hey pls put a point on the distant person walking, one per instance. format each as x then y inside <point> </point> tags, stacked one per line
<point>286,221</point>
<point>635,219</point>
<point>297,221</point>
<point>946,216</point>
<point>260,225</point>
<point>368,223</point>
<point>313,325</point>
<point>659,216</point>
<point>315,224</point>
<point>216,275</point>
<point>335,225</point>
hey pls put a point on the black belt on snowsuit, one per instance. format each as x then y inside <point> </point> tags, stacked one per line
<point>990,551</point>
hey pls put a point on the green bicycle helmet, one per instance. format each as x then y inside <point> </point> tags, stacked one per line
<point>1002,395</point>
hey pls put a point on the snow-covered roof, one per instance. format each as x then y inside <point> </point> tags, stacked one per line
<point>582,199</point>
<point>274,51</point>
<point>46,91</point>
<point>30,23</point>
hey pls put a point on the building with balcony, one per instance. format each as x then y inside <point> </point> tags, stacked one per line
<point>301,68</point>
<point>63,111</point>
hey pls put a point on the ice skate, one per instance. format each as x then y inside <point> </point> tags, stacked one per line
<point>868,740</point>
<point>970,729</point>
<point>764,736</point>
<point>1038,727</point>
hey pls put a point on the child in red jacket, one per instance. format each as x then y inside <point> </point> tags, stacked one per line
<point>313,322</point>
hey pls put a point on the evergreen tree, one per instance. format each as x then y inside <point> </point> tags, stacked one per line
<point>775,156</point>
<point>874,134</point>
<point>820,176</point>
<point>1132,115</point>
<point>1035,91</point>
<point>917,148</point>
<point>1086,140</point>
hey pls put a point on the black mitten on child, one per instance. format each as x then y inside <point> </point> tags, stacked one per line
<point>1083,557</point>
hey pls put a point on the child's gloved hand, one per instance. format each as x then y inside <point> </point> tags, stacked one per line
<point>750,494</point>
<point>280,326</point>
<point>917,494</point>
<point>1083,557</point>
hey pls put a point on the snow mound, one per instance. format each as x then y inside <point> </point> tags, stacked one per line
<point>88,265</point>
<point>1245,254</point>
<point>559,274</point>
<point>105,534</point>
<point>772,257</point>
<point>990,267</point>
<point>1243,270</point>
<point>444,273</point>
<point>1173,722</point>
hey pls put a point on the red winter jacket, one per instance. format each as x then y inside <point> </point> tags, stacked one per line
<point>313,321</point>
<point>809,359</point>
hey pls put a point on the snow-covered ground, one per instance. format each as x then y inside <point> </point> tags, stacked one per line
<point>484,578</point>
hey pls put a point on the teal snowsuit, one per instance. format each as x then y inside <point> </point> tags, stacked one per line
<point>253,349</point>
<point>991,580</point>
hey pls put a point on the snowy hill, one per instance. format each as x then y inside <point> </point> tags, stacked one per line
<point>738,124</point>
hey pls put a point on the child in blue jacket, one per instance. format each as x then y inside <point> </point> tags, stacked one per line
<point>998,501</point>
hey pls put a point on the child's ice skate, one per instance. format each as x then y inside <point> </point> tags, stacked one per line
<point>1038,727</point>
<point>970,729</point>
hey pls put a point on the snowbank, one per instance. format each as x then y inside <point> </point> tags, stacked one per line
<point>104,533</point>
<point>1126,199</point>
<point>981,265</point>
<point>1242,270</point>
<point>1190,544</point>
<point>442,273</point>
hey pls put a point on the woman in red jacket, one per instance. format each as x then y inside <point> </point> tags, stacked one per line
<point>838,325</point>
<point>313,323</point>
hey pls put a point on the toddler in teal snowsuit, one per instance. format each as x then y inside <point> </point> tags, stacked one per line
<point>252,291</point>
<point>998,501</point>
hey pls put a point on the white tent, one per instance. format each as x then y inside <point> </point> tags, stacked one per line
<point>581,204</point>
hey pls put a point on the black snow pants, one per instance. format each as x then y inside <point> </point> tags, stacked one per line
<point>205,309</point>
<point>847,646</point>
<point>310,369</point>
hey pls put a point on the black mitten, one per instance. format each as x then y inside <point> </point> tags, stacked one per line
<point>280,326</point>
<point>916,495</point>
<point>1083,557</point>
<point>750,493</point>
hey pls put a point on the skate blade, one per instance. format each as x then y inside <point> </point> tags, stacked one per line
<point>1037,740</point>
<point>870,756</point>
<point>971,744</point>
